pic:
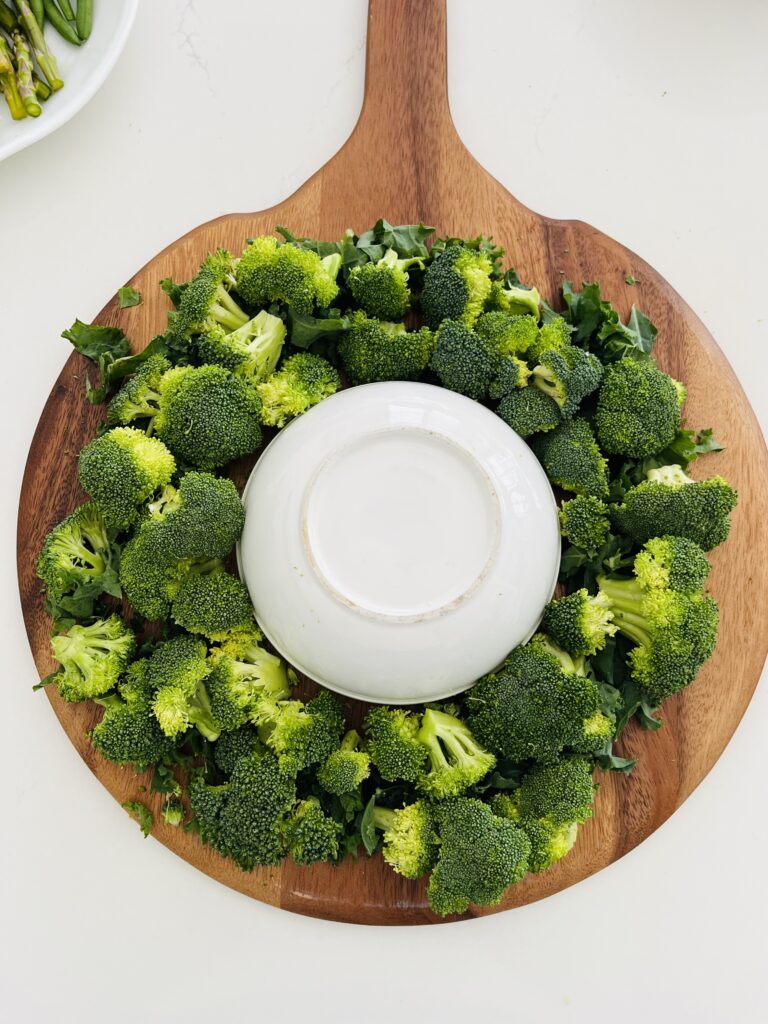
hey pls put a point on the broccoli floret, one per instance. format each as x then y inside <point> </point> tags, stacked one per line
<point>529,411</point>
<point>462,360</point>
<point>571,458</point>
<point>456,759</point>
<point>567,376</point>
<point>310,835</point>
<point>675,632</point>
<point>242,819</point>
<point>536,705</point>
<point>456,286</point>
<point>638,409</point>
<point>346,768</point>
<point>251,352</point>
<point>669,502</point>
<point>173,811</point>
<point>269,271</point>
<point>302,734</point>
<point>231,746</point>
<point>514,299</point>
<point>373,350</point>
<point>92,658</point>
<point>121,469</point>
<point>673,562</point>
<point>579,623</point>
<point>206,301</point>
<point>480,856</point>
<point>176,673</point>
<point>129,733</point>
<point>554,336</point>
<point>381,288</point>
<point>243,674</point>
<point>508,335</point>
<point>584,522</point>
<point>207,416</point>
<point>138,399</point>
<point>212,603</point>
<point>202,518</point>
<point>78,553</point>
<point>301,382</point>
<point>150,577</point>
<point>393,744</point>
<point>410,838</point>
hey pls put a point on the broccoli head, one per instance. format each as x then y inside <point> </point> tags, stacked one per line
<point>479,857</point>
<point>373,350</point>
<point>514,299</point>
<point>270,271</point>
<point>462,360</point>
<point>121,469</point>
<point>346,768</point>
<point>150,577</point>
<point>638,408</point>
<point>302,734</point>
<point>507,334</point>
<point>78,553</point>
<point>393,743</point>
<point>571,458</point>
<point>584,522</point>
<point>410,839</point>
<point>233,745</point>
<point>554,336</point>
<point>207,416</point>
<point>251,352</point>
<point>567,376</point>
<point>579,623</point>
<point>456,286</point>
<point>529,411</point>
<point>380,288</point>
<point>673,562</point>
<point>242,675</point>
<point>128,732</point>
<point>301,382</point>
<point>201,518</point>
<point>176,672</point>
<point>670,503</point>
<point>456,760</point>
<point>212,603</point>
<point>205,301</point>
<point>309,834</point>
<point>92,658</point>
<point>139,397</point>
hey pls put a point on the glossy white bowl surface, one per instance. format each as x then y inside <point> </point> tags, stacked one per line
<point>399,541</point>
<point>83,70</point>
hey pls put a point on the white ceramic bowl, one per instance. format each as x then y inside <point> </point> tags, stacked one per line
<point>83,69</point>
<point>399,541</point>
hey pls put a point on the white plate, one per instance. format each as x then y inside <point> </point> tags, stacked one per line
<point>83,69</point>
<point>399,541</point>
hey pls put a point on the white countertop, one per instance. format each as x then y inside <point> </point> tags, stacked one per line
<point>646,120</point>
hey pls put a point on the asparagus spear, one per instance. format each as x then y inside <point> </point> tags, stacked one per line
<point>9,84</point>
<point>24,75</point>
<point>45,59</point>
<point>42,89</point>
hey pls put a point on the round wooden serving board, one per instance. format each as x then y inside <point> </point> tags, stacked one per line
<point>404,161</point>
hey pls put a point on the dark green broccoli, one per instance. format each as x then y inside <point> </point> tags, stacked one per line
<point>92,658</point>
<point>121,469</point>
<point>514,299</point>
<point>138,398</point>
<point>584,522</point>
<point>456,286</point>
<point>571,458</point>
<point>381,287</point>
<point>129,733</point>
<point>242,819</point>
<point>456,760</point>
<point>373,350</point>
<point>410,839</point>
<point>529,411</point>
<point>479,857</point>
<point>346,768</point>
<point>554,336</point>
<point>638,408</point>
<point>207,416</point>
<point>270,271</point>
<point>537,704</point>
<point>302,734</point>
<point>462,360</point>
<point>579,622</point>
<point>251,352</point>
<point>301,382</point>
<point>669,502</point>
<point>150,578</point>
<point>176,672</point>
<point>309,834</point>
<point>231,746</point>
<point>242,675</point>
<point>506,334</point>
<point>200,518</point>
<point>78,553</point>
<point>393,744</point>
<point>673,562</point>
<point>205,300</point>
<point>567,376</point>
<point>212,603</point>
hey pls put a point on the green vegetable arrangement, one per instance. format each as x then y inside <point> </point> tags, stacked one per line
<point>474,793</point>
<point>29,72</point>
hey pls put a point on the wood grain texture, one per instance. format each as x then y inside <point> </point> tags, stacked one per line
<point>405,161</point>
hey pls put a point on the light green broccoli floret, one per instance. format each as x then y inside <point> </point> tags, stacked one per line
<point>138,398</point>
<point>410,838</point>
<point>77,552</point>
<point>310,835</point>
<point>205,301</point>
<point>243,674</point>
<point>381,288</point>
<point>346,768</point>
<point>251,352</point>
<point>456,760</point>
<point>514,299</point>
<point>301,382</point>
<point>92,658</point>
<point>579,622</point>
<point>508,334</point>
<point>584,522</point>
<point>270,271</point>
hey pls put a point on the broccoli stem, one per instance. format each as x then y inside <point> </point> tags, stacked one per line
<point>626,597</point>
<point>383,818</point>
<point>24,75</point>
<point>350,741</point>
<point>227,311</point>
